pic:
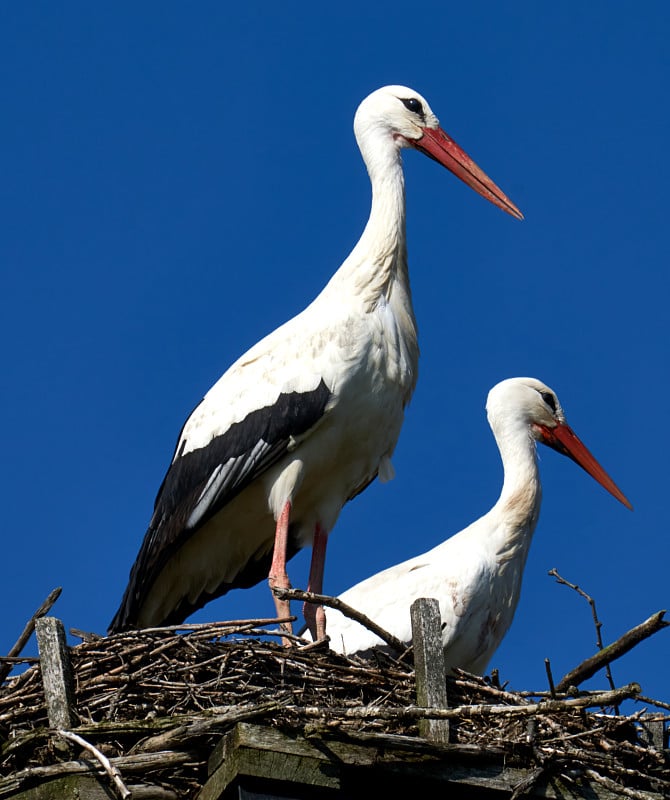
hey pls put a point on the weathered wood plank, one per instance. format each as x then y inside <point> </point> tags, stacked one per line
<point>56,672</point>
<point>431,678</point>
<point>323,761</point>
<point>90,788</point>
<point>69,786</point>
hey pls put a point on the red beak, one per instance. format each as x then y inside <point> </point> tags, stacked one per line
<point>563,439</point>
<point>436,144</point>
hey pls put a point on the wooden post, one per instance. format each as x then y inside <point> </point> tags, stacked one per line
<point>653,732</point>
<point>56,672</point>
<point>431,679</point>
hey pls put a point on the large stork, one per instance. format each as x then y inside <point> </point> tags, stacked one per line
<point>308,417</point>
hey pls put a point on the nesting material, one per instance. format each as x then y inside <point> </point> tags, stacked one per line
<point>157,702</point>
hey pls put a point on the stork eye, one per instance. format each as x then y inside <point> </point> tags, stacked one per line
<point>414,105</point>
<point>549,399</point>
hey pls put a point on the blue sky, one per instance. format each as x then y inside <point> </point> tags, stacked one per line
<point>177,181</point>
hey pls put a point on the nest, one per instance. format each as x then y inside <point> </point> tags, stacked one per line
<point>171,695</point>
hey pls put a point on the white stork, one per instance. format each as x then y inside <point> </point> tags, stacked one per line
<point>308,417</point>
<point>476,574</point>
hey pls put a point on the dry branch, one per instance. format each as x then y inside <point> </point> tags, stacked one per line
<point>343,608</point>
<point>210,628</point>
<point>617,788</point>
<point>652,702</point>
<point>596,621</point>
<point>110,769</point>
<point>168,761</point>
<point>622,645</point>
<point>589,700</point>
<point>27,632</point>
<point>193,728</point>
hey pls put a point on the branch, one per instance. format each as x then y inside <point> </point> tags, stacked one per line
<point>204,626</point>
<point>544,707</point>
<point>221,719</point>
<point>617,788</point>
<point>550,677</point>
<point>109,768</point>
<point>136,763</point>
<point>613,651</point>
<point>27,632</point>
<point>343,608</point>
<point>657,703</point>
<point>598,624</point>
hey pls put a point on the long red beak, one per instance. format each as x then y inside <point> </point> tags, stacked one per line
<point>436,144</point>
<point>563,439</point>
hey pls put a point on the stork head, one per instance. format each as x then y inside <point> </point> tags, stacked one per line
<point>533,406</point>
<point>403,116</point>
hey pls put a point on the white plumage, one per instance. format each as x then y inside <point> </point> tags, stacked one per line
<point>309,416</point>
<point>476,574</point>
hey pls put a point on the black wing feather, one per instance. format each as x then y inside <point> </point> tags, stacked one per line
<point>256,570</point>
<point>205,480</point>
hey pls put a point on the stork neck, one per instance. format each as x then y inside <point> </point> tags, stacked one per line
<point>379,259</point>
<point>518,507</point>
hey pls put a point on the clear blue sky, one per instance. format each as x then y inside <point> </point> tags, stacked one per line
<point>177,181</point>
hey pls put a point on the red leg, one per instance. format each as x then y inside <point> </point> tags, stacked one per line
<point>278,576</point>
<point>315,616</point>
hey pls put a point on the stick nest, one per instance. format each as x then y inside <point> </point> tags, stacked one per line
<point>171,695</point>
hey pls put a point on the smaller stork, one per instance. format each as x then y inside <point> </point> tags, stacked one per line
<point>476,574</point>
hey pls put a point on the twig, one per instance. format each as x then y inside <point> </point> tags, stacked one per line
<point>143,762</point>
<point>109,768</point>
<point>550,678</point>
<point>343,608</point>
<point>622,645</point>
<point>186,731</point>
<point>276,633</point>
<point>598,624</point>
<point>618,788</point>
<point>27,632</point>
<point>657,703</point>
<point>204,626</point>
<point>564,737</point>
<point>85,636</point>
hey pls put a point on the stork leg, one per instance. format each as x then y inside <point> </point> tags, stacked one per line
<point>315,616</point>
<point>278,577</point>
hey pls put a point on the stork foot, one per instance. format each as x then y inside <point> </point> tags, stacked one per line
<point>315,617</point>
<point>282,607</point>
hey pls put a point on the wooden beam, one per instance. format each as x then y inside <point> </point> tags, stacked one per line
<point>431,678</point>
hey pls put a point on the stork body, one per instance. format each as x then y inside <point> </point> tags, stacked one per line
<point>308,417</point>
<point>476,575</point>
